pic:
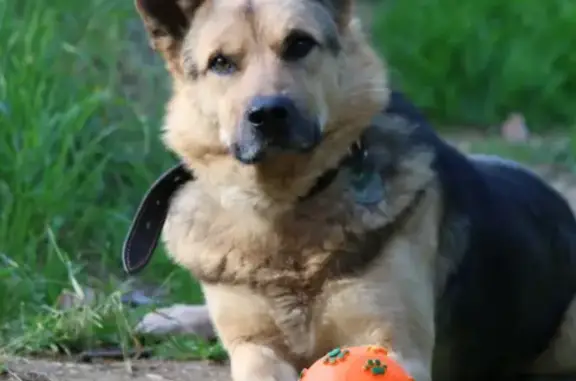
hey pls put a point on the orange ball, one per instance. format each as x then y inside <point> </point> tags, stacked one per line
<point>364,363</point>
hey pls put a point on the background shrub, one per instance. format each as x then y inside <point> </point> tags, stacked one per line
<point>472,62</point>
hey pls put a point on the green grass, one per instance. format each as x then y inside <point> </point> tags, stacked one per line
<point>80,104</point>
<point>81,98</point>
<point>473,62</point>
<point>551,151</point>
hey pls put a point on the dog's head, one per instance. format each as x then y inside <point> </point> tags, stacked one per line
<point>261,81</point>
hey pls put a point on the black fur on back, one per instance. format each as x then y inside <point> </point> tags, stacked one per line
<point>505,300</point>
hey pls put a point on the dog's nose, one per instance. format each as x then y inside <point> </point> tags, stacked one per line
<point>273,124</point>
<point>270,114</point>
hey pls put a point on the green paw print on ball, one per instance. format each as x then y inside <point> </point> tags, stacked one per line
<point>336,355</point>
<point>375,367</point>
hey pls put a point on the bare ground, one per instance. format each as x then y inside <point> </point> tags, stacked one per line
<point>19,369</point>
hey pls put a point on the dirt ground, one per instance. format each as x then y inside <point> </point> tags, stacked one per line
<point>19,369</point>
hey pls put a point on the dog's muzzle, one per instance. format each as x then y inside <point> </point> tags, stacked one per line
<point>274,123</point>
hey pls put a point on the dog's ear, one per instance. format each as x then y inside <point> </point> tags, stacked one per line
<point>341,9</point>
<point>167,21</point>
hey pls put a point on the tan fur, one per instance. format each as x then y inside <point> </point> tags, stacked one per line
<point>203,113</point>
<point>269,265</point>
<point>293,304</point>
<point>265,262</point>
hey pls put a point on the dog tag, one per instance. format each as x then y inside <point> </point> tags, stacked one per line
<point>368,187</point>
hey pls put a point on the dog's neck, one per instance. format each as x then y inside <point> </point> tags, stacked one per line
<point>151,214</point>
<point>354,159</point>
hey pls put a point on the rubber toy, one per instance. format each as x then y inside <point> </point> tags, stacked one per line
<point>363,363</point>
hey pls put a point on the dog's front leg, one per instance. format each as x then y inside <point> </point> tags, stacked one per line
<point>413,354</point>
<point>392,303</point>
<point>417,368</point>
<point>402,285</point>
<point>365,312</point>
<point>249,334</point>
<point>253,362</point>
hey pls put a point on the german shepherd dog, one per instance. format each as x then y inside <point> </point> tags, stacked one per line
<point>317,208</point>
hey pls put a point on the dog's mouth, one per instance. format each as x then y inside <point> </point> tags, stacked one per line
<point>272,126</point>
<point>254,147</point>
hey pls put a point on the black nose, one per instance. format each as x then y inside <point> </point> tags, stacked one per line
<point>270,114</point>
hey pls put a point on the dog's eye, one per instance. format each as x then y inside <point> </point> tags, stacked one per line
<point>297,46</point>
<point>222,65</point>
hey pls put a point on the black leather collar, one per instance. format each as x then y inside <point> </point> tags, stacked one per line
<point>149,220</point>
<point>150,216</point>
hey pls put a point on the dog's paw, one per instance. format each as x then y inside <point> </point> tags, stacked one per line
<point>178,319</point>
<point>251,362</point>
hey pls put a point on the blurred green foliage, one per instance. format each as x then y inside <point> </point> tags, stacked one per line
<point>81,97</point>
<point>473,62</point>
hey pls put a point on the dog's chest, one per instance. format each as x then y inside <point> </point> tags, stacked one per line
<point>318,241</point>
<point>287,263</point>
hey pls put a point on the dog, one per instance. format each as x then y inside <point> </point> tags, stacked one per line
<point>318,208</point>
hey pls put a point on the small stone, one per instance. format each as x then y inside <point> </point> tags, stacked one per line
<point>72,299</point>
<point>514,129</point>
<point>178,319</point>
<point>156,377</point>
